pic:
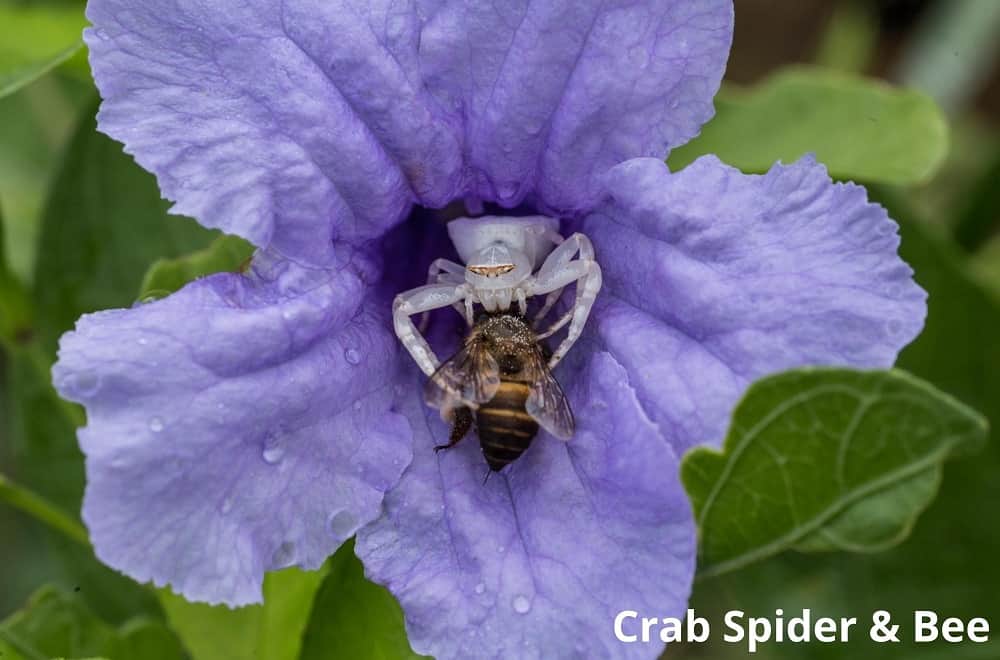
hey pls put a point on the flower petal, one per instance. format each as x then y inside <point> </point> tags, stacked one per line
<point>240,425</point>
<point>268,119</point>
<point>751,275</point>
<point>537,562</point>
<point>557,92</point>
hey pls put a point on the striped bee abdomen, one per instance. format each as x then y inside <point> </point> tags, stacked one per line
<point>505,429</point>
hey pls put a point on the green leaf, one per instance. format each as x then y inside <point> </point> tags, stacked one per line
<point>35,39</point>
<point>958,349</point>
<point>355,618</point>
<point>979,218</point>
<point>15,309</point>
<point>849,39</point>
<point>58,624</point>
<point>55,624</point>
<point>226,253</point>
<point>148,639</point>
<point>35,125</point>
<point>859,128</point>
<point>986,264</point>
<point>948,563</point>
<point>40,509</point>
<point>41,430</point>
<point>103,227</point>
<point>807,447</point>
<point>272,631</point>
<point>879,521</point>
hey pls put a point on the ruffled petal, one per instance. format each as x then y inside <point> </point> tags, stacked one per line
<point>271,119</point>
<point>713,278</point>
<point>554,93</point>
<point>537,562</point>
<point>240,425</point>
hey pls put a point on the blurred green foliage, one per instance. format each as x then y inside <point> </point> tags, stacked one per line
<point>357,618</point>
<point>858,128</point>
<point>37,39</point>
<point>104,225</point>
<point>272,631</point>
<point>225,254</point>
<point>304,616</point>
<point>54,623</point>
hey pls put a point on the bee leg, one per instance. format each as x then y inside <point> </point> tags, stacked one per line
<point>461,423</point>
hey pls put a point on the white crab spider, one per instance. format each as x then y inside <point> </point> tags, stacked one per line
<point>501,256</point>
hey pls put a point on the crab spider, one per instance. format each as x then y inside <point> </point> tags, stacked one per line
<point>508,261</point>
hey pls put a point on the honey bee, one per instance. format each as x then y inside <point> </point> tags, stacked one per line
<point>500,379</point>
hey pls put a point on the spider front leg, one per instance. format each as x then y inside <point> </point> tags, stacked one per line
<point>415,301</point>
<point>550,301</point>
<point>447,272</point>
<point>561,269</point>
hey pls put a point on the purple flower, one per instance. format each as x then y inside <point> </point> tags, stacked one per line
<point>255,421</point>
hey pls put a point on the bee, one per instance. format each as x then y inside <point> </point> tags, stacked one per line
<point>500,380</point>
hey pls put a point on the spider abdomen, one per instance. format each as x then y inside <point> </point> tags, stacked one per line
<point>505,429</point>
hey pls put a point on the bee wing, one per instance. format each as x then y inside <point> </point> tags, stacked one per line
<point>547,403</point>
<point>470,378</point>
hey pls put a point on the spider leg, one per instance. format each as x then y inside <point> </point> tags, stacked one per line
<point>522,300</point>
<point>550,301</point>
<point>441,271</point>
<point>415,301</point>
<point>560,322</point>
<point>561,269</point>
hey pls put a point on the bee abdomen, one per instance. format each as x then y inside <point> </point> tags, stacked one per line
<point>505,429</point>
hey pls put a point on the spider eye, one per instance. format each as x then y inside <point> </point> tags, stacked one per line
<point>492,270</point>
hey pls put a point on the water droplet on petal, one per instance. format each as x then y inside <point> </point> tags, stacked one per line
<point>357,405</point>
<point>86,383</point>
<point>284,556</point>
<point>353,356</point>
<point>274,449</point>
<point>227,505</point>
<point>500,549</point>
<point>480,588</point>
<point>521,604</point>
<point>341,524</point>
<point>156,424</point>
<point>142,341</point>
